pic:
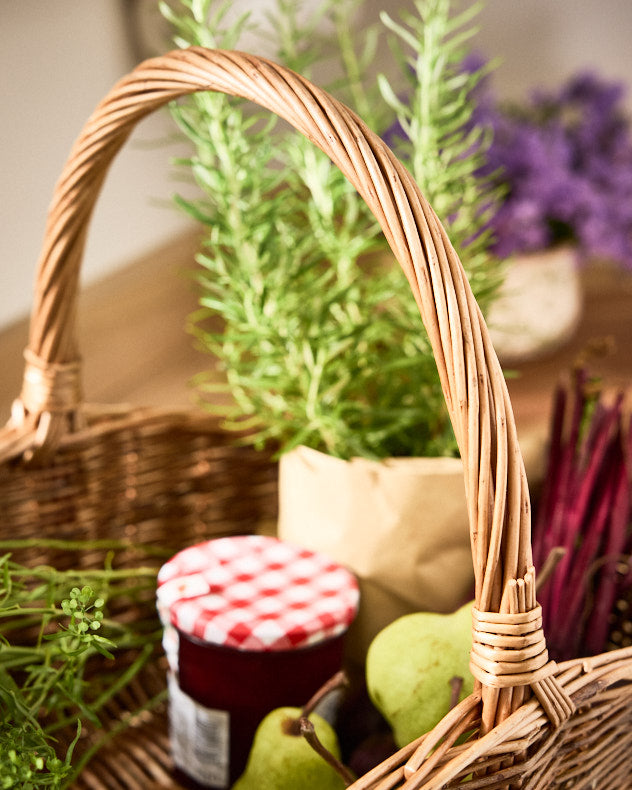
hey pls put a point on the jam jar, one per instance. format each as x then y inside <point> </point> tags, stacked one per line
<point>251,623</point>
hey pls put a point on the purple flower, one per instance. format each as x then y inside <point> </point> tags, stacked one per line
<point>566,160</point>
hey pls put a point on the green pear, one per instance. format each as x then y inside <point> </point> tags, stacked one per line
<point>281,759</point>
<point>410,664</point>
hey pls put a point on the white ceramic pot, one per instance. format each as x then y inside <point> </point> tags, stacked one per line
<point>539,305</point>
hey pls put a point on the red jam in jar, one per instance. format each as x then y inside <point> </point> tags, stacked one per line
<point>252,623</point>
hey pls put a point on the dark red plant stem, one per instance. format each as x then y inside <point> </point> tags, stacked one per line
<point>543,537</point>
<point>569,633</point>
<point>550,518</point>
<point>593,487</point>
<point>627,461</point>
<point>586,510</point>
<point>606,587</point>
<point>561,484</point>
<point>575,523</point>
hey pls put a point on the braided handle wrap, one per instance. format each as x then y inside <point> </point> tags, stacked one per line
<point>471,377</point>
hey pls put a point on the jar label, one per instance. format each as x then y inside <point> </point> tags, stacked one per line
<point>199,738</point>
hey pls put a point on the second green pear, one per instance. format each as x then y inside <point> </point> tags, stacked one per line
<point>280,760</point>
<point>410,664</point>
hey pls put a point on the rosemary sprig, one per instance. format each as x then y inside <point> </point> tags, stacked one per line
<point>434,132</point>
<point>321,343</point>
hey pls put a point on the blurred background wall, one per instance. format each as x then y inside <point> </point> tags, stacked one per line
<point>57,60</point>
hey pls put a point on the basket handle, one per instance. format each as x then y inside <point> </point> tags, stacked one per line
<point>471,377</point>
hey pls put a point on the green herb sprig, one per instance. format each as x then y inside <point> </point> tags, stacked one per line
<point>53,624</point>
<point>444,150</point>
<point>319,339</point>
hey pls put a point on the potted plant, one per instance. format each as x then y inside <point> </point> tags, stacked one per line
<point>320,341</point>
<point>565,158</point>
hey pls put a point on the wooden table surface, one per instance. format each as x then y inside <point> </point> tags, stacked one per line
<point>136,349</point>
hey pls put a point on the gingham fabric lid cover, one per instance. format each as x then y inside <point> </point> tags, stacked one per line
<point>257,593</point>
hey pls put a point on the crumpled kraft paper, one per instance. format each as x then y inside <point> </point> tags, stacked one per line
<point>399,524</point>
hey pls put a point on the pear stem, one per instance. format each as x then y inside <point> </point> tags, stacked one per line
<point>309,733</point>
<point>456,684</point>
<point>335,682</point>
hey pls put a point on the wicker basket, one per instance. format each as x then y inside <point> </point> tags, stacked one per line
<point>68,469</point>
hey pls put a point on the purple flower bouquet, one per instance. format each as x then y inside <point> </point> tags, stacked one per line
<point>565,158</point>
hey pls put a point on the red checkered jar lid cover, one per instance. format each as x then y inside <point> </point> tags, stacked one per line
<point>257,593</point>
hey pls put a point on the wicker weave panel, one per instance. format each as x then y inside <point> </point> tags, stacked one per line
<point>150,477</point>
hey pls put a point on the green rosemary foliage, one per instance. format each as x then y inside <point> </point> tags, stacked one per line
<point>321,342</point>
<point>51,629</point>
<point>443,149</point>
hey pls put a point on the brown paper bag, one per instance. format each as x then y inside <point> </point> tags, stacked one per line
<point>399,524</point>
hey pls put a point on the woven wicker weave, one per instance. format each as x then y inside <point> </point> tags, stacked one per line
<point>69,469</point>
